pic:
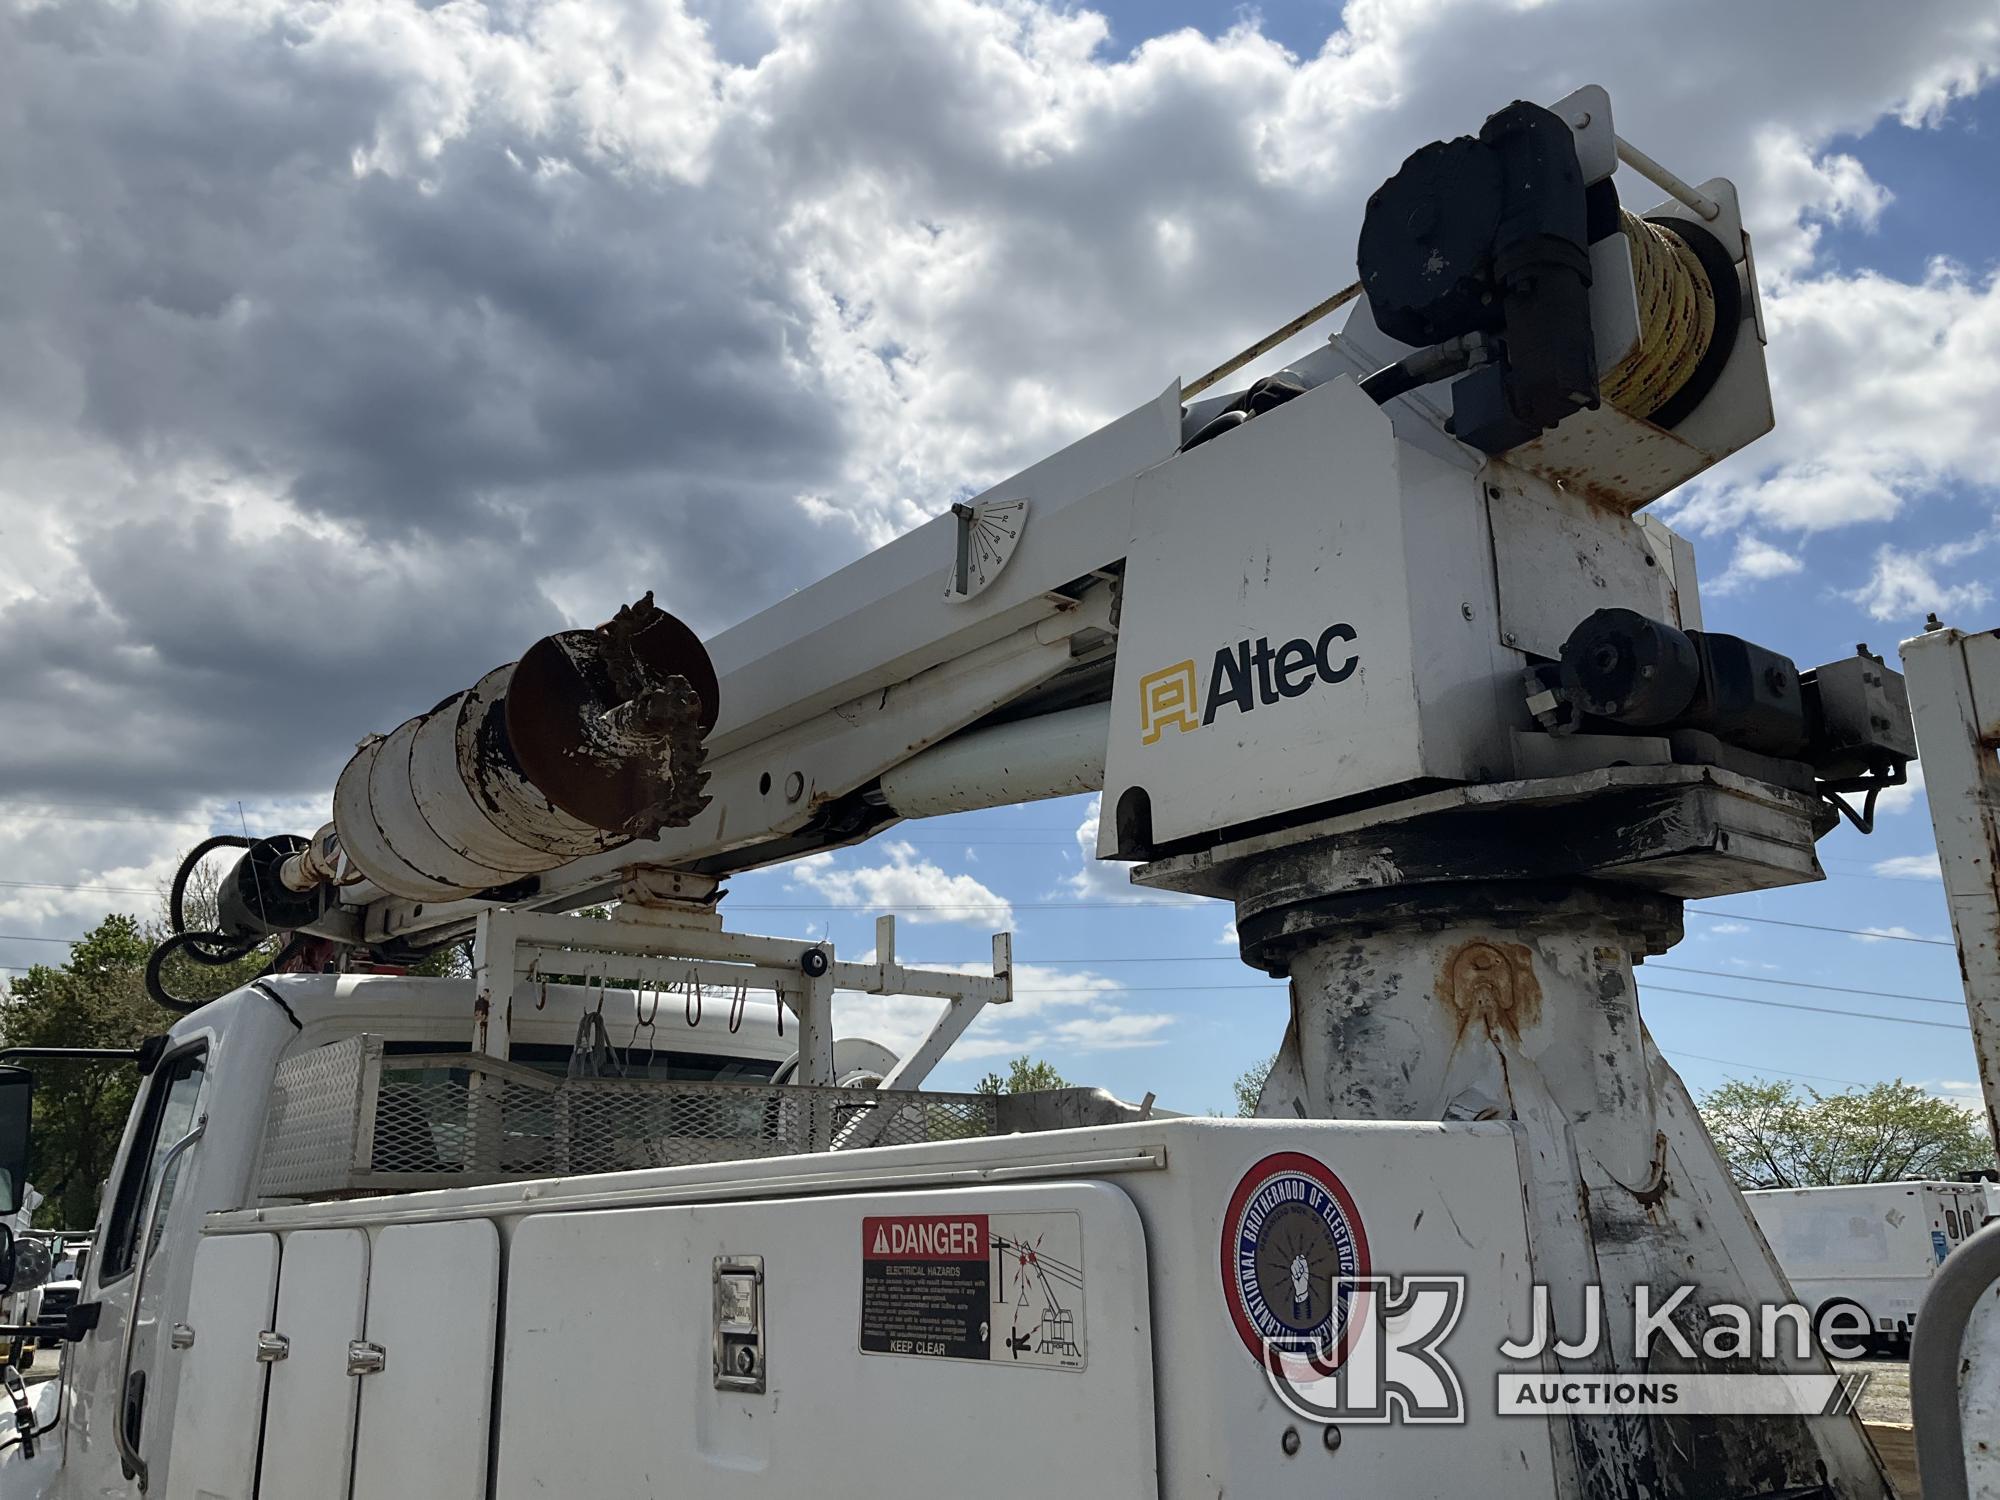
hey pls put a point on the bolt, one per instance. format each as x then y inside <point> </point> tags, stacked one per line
<point>1508,637</point>
<point>1331,1437</point>
<point>1492,492</point>
<point>1580,120</point>
<point>1290,1441</point>
<point>795,787</point>
<point>1466,610</point>
<point>746,1360</point>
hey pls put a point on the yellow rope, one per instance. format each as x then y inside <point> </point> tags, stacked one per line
<point>1676,321</point>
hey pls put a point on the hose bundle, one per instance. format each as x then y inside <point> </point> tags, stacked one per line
<point>214,950</point>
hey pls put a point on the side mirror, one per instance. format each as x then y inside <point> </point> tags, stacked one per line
<point>17,1094</point>
<point>6,1259</point>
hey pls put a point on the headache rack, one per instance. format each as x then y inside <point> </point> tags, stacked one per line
<point>346,1118</point>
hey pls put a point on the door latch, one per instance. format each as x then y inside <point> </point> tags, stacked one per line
<point>272,1347</point>
<point>181,1337</point>
<point>739,1323</point>
<point>366,1359</point>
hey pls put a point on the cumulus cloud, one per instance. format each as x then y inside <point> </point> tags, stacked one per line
<point>352,347</point>
<point>1909,867</point>
<point>1900,799</point>
<point>906,885</point>
<point>1105,880</point>
<point>1756,561</point>
<point>1906,585</point>
<point>1858,364</point>
<point>1056,1012</point>
<point>1886,934</point>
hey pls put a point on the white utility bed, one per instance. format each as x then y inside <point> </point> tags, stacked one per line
<point>1049,1313</point>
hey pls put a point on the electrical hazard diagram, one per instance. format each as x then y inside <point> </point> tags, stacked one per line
<point>1007,1288</point>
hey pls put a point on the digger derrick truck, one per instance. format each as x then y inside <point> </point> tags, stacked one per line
<point>1382,648</point>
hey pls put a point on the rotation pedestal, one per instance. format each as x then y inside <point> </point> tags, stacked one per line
<point>1469,955</point>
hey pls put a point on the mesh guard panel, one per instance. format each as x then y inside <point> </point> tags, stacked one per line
<point>345,1119</point>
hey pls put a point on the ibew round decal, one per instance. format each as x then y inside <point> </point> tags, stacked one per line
<point>1292,1247</point>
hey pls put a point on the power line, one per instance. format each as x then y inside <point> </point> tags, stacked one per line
<point>1822,1010</point>
<point>1800,984</point>
<point>1887,937</point>
<point>1649,966</point>
<point>1122,993</point>
<point>52,885</point>
<point>1729,1062</point>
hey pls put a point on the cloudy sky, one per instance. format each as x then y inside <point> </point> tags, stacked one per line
<point>345,348</point>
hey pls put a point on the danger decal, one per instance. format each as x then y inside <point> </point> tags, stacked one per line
<point>1004,1288</point>
<point>1292,1248</point>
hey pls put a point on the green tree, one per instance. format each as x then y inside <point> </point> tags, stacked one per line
<point>1249,1085</point>
<point>1025,1075</point>
<point>97,998</point>
<point>1779,1135</point>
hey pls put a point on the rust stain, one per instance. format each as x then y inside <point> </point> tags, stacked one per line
<point>1614,494</point>
<point>1492,984</point>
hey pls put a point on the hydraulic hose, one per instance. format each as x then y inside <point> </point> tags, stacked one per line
<point>213,950</point>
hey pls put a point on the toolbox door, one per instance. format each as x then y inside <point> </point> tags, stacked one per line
<point>425,1362</point>
<point>309,1421</point>
<point>221,1401</point>
<point>977,1343</point>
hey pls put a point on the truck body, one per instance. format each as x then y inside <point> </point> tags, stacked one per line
<point>1875,1246</point>
<point>565,1333</point>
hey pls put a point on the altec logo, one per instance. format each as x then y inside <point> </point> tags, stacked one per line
<point>1243,675</point>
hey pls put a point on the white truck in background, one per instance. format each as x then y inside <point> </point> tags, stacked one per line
<point>44,1302</point>
<point>1872,1246</point>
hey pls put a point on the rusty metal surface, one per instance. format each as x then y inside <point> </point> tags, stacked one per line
<point>1491,984</point>
<point>392,798</point>
<point>1558,557</point>
<point>609,723</point>
<point>1533,1017</point>
<point>438,809</point>
<point>1954,685</point>
<point>362,839</point>
<point>488,768</point>
<point>445,798</point>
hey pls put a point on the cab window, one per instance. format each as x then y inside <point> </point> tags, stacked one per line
<point>171,1110</point>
